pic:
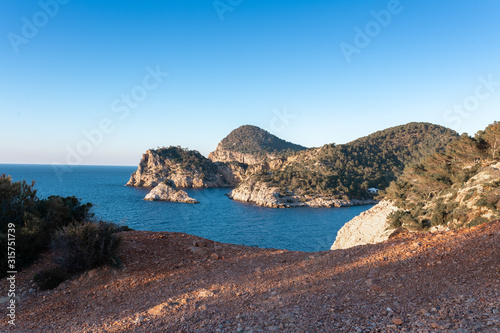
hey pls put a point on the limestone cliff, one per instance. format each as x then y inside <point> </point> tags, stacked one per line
<point>262,194</point>
<point>369,227</point>
<point>164,192</point>
<point>156,166</point>
<point>223,155</point>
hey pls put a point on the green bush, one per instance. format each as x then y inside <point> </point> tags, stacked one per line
<point>477,221</point>
<point>83,246</point>
<point>401,218</point>
<point>439,214</point>
<point>36,222</point>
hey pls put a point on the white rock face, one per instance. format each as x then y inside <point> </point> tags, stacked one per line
<point>259,194</point>
<point>222,155</point>
<point>263,195</point>
<point>153,170</point>
<point>164,192</point>
<point>369,227</point>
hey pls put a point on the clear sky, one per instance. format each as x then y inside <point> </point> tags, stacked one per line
<point>100,82</point>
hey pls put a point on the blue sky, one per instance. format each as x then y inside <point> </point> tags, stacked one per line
<point>85,82</point>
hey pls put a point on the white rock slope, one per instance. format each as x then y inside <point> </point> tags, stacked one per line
<point>369,227</point>
<point>164,192</point>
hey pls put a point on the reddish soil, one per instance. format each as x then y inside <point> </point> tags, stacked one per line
<point>440,282</point>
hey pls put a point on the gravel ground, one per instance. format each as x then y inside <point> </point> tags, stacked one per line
<point>172,282</point>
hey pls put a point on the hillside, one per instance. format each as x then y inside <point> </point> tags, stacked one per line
<point>454,188</point>
<point>250,145</point>
<point>333,175</point>
<point>458,187</point>
<point>171,282</point>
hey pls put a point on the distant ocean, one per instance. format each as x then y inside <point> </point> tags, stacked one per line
<point>216,217</point>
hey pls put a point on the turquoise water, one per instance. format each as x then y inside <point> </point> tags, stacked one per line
<point>216,217</point>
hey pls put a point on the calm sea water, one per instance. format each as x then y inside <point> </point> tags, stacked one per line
<point>216,217</point>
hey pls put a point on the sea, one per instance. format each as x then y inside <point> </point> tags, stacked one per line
<point>216,217</point>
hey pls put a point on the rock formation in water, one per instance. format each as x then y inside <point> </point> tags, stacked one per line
<point>186,169</point>
<point>164,192</point>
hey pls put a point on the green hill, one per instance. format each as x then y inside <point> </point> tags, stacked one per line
<point>250,139</point>
<point>348,170</point>
<point>459,186</point>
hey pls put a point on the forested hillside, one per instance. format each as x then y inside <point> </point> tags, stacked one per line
<point>252,139</point>
<point>348,170</point>
<point>457,187</point>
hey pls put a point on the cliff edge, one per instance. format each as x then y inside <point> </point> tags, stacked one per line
<point>185,168</point>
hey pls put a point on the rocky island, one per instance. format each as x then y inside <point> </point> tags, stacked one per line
<point>165,192</point>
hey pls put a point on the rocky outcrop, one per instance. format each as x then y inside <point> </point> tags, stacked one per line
<point>262,194</point>
<point>154,169</point>
<point>223,155</point>
<point>165,192</point>
<point>258,193</point>
<point>369,227</point>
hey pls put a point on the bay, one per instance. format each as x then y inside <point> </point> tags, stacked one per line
<point>216,217</point>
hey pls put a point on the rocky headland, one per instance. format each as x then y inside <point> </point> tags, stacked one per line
<point>156,166</point>
<point>268,171</point>
<point>262,194</point>
<point>164,192</point>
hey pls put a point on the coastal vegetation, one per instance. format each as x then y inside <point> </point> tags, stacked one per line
<point>30,226</point>
<point>347,171</point>
<point>457,187</point>
<point>250,139</point>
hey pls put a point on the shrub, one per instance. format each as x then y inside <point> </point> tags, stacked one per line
<point>401,218</point>
<point>83,246</point>
<point>35,220</point>
<point>469,194</point>
<point>477,221</point>
<point>490,200</point>
<point>50,278</point>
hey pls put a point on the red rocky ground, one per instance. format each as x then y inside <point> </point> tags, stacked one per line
<point>171,282</point>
